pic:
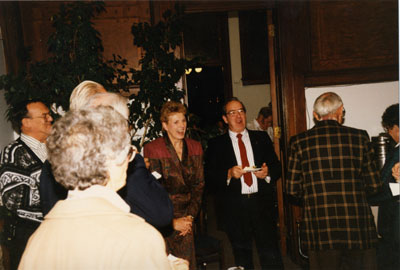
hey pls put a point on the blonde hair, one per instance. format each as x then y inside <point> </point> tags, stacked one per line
<point>116,101</point>
<point>84,143</point>
<point>82,93</point>
<point>170,107</point>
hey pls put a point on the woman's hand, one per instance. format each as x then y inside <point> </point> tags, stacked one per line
<point>183,225</point>
<point>147,162</point>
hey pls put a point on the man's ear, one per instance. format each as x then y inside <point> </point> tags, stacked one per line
<point>340,115</point>
<point>316,116</point>
<point>225,119</point>
<point>25,122</point>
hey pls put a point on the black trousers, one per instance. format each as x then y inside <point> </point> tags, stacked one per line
<point>388,253</point>
<point>16,246</point>
<point>254,220</point>
<point>343,259</point>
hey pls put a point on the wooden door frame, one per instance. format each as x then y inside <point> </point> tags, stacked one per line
<point>276,98</point>
<point>276,126</point>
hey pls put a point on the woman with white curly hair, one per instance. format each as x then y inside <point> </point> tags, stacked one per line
<point>89,151</point>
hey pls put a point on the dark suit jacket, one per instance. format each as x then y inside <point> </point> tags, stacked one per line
<point>220,157</point>
<point>144,194</point>
<point>389,215</point>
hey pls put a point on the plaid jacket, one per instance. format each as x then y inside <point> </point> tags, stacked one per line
<point>332,168</point>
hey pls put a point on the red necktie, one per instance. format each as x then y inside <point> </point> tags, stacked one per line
<point>248,179</point>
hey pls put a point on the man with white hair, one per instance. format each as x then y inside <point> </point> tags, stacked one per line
<point>144,194</point>
<point>331,169</point>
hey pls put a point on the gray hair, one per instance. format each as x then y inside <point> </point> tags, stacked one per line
<point>83,144</point>
<point>327,103</point>
<point>82,93</point>
<point>114,100</point>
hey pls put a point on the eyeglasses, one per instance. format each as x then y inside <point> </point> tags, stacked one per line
<point>44,116</point>
<point>235,112</point>
<point>131,153</point>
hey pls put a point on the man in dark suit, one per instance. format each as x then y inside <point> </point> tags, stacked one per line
<point>144,194</point>
<point>246,197</point>
<point>389,205</point>
<point>331,168</point>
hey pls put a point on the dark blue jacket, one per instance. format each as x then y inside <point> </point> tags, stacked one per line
<point>389,215</point>
<point>144,194</point>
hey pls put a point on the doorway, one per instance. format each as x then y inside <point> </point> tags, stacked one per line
<point>207,36</point>
<point>205,94</point>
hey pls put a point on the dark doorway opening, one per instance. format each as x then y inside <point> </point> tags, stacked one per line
<point>206,36</point>
<point>206,95</point>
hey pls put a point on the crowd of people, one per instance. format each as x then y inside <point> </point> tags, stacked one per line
<point>78,195</point>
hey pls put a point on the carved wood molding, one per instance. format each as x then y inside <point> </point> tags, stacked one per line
<point>226,5</point>
<point>390,73</point>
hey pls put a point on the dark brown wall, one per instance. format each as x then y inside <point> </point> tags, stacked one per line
<point>35,27</point>
<point>333,42</point>
<point>361,44</point>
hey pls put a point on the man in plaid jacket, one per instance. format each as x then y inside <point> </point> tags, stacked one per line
<point>331,168</point>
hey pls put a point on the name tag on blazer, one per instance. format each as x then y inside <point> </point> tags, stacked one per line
<point>156,175</point>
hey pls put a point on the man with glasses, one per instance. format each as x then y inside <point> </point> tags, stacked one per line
<point>242,168</point>
<point>20,166</point>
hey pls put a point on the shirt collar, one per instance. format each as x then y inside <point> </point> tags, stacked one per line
<point>36,146</point>
<point>233,134</point>
<point>102,192</point>
<point>30,141</point>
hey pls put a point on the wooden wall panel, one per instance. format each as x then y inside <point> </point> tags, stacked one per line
<point>36,26</point>
<point>348,37</point>
<point>11,32</point>
<point>114,26</point>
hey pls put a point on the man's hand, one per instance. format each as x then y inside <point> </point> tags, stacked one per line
<point>235,172</point>
<point>263,172</point>
<point>396,172</point>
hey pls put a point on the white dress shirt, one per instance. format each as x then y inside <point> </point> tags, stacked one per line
<point>254,125</point>
<point>249,150</point>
